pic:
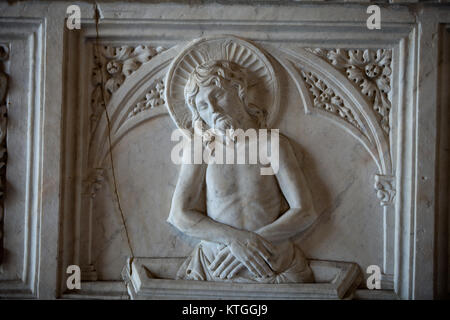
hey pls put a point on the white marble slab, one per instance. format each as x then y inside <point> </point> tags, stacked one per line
<point>149,278</point>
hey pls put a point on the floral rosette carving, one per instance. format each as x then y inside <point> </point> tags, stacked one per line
<point>370,71</point>
<point>112,65</point>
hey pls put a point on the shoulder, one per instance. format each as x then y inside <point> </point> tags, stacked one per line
<point>276,137</point>
<point>284,141</point>
<point>287,152</point>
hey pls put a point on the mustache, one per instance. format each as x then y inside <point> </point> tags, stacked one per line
<point>223,129</point>
<point>225,126</point>
<point>223,121</point>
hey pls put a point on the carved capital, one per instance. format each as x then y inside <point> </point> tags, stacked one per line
<point>94,182</point>
<point>384,185</point>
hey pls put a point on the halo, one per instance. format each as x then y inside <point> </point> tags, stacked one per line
<point>262,82</point>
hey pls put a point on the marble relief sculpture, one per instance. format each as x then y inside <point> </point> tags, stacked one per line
<point>244,220</point>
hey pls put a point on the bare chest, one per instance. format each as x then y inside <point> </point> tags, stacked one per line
<point>240,196</point>
<point>224,180</point>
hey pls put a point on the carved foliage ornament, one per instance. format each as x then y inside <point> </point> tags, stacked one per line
<point>384,185</point>
<point>370,71</point>
<point>326,99</point>
<point>4,55</point>
<point>94,182</point>
<point>154,98</point>
<point>112,65</point>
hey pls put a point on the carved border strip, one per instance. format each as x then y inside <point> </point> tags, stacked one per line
<point>154,98</point>
<point>4,55</point>
<point>25,39</point>
<point>326,99</point>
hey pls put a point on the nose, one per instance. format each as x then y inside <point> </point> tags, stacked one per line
<point>213,107</point>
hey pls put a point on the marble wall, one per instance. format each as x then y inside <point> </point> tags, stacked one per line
<point>366,112</point>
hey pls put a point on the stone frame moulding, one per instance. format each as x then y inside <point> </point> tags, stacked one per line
<point>22,254</point>
<point>4,55</point>
<point>395,152</point>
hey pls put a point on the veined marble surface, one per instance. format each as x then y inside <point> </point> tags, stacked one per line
<point>365,111</point>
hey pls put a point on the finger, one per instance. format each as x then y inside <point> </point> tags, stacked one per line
<point>219,258</point>
<point>266,270</point>
<point>268,261</point>
<point>250,267</point>
<point>262,251</point>
<point>261,266</point>
<point>252,261</point>
<point>229,259</point>
<point>236,269</point>
<point>258,272</point>
<point>224,274</point>
<point>270,247</point>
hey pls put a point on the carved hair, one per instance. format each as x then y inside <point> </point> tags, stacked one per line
<point>218,73</point>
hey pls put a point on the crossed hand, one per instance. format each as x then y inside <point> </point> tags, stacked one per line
<point>251,251</point>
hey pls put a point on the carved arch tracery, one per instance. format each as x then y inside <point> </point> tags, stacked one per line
<point>327,88</point>
<point>358,103</point>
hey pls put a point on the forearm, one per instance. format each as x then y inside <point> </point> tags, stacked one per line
<point>288,225</point>
<point>200,226</point>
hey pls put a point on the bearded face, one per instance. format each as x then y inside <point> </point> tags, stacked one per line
<point>216,94</point>
<point>220,108</point>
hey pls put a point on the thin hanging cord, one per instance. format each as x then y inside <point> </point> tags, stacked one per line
<point>116,192</point>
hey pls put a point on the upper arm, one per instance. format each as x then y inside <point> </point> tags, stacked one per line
<point>291,179</point>
<point>189,192</point>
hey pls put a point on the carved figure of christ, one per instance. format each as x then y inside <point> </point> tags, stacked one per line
<point>237,212</point>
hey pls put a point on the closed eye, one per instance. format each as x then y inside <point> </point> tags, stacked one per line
<point>202,106</point>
